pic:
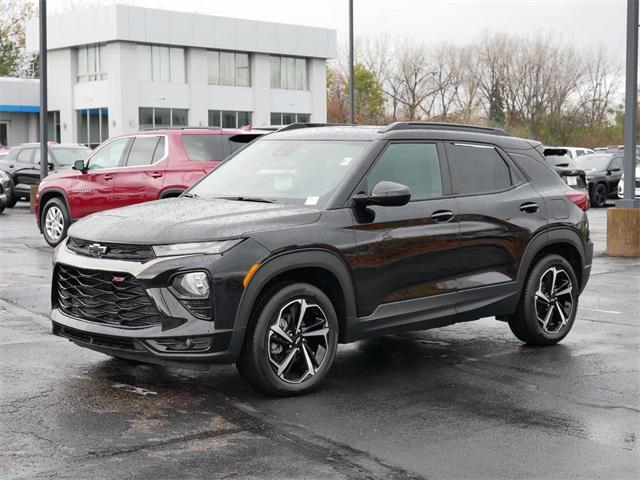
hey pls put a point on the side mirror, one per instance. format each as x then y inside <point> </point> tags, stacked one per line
<point>80,166</point>
<point>614,169</point>
<point>52,166</point>
<point>385,194</point>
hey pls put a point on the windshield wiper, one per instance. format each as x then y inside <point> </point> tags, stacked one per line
<point>249,199</point>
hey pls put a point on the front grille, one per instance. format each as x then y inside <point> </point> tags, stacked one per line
<point>114,251</point>
<point>109,298</point>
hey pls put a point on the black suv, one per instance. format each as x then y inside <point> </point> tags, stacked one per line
<point>22,164</point>
<point>310,237</point>
<point>603,173</point>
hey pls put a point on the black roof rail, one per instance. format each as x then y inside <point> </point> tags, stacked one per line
<point>443,126</point>
<point>151,129</point>
<point>296,126</point>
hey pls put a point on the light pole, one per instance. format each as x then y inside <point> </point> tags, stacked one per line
<point>44,158</point>
<point>352,112</point>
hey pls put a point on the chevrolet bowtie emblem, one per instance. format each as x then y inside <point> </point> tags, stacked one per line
<point>96,249</point>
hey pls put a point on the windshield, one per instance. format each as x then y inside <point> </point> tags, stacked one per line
<point>594,162</point>
<point>300,172</point>
<point>560,161</point>
<point>66,156</point>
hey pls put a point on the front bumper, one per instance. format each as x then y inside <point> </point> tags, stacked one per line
<point>211,341</point>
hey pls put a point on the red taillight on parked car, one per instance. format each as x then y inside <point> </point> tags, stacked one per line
<point>581,199</point>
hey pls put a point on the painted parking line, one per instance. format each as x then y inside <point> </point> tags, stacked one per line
<point>614,312</point>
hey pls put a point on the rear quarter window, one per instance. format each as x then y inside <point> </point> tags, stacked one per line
<point>478,168</point>
<point>203,147</point>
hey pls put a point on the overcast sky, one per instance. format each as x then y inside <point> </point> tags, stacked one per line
<point>581,22</point>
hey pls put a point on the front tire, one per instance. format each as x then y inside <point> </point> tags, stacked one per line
<point>292,340</point>
<point>55,221</point>
<point>599,196</point>
<point>549,303</point>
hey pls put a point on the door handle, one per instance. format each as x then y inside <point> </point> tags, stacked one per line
<point>155,174</point>
<point>529,207</point>
<point>442,216</point>
<point>108,177</point>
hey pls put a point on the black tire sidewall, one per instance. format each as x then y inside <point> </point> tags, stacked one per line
<point>527,327</point>
<point>63,208</point>
<point>257,366</point>
<point>601,204</point>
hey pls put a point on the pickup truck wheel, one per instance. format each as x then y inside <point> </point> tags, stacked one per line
<point>549,303</point>
<point>12,198</point>
<point>55,221</point>
<point>292,341</point>
<point>599,196</point>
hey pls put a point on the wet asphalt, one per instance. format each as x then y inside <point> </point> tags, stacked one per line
<point>466,401</point>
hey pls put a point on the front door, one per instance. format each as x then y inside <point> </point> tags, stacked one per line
<point>141,178</point>
<point>499,213</point>
<point>406,256</point>
<point>93,191</point>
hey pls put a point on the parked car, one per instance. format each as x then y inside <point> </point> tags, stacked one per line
<point>571,152</point>
<point>603,172</point>
<point>131,169</point>
<point>570,173</point>
<point>637,184</point>
<point>6,190</point>
<point>23,164</point>
<point>312,237</point>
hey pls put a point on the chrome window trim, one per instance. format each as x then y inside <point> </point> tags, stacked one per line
<point>164,157</point>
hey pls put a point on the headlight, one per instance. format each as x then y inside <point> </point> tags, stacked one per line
<point>192,284</point>
<point>207,248</point>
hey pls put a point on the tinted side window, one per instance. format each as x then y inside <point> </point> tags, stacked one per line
<point>159,152</point>
<point>202,148</point>
<point>478,168</point>
<point>109,155</point>
<point>616,163</point>
<point>142,151</point>
<point>25,155</point>
<point>231,146</point>
<point>415,165</point>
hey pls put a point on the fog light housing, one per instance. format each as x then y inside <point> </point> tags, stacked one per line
<point>192,285</point>
<point>181,344</point>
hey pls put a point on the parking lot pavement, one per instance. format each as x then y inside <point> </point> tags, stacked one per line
<point>466,401</point>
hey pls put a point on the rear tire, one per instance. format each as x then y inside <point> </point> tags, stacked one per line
<point>599,197</point>
<point>286,353</point>
<point>549,302</point>
<point>12,197</point>
<point>54,221</point>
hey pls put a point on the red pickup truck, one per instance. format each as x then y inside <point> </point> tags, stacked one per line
<point>132,168</point>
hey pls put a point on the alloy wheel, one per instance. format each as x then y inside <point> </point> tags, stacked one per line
<point>554,300</point>
<point>54,223</point>
<point>298,341</point>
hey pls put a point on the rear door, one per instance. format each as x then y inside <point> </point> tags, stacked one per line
<point>25,172</point>
<point>141,176</point>
<point>407,255</point>
<point>93,191</point>
<point>613,175</point>
<point>499,213</point>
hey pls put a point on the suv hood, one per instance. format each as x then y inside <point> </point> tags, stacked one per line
<point>186,220</point>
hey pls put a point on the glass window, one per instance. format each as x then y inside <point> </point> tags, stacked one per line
<point>244,119</point>
<point>301,74</point>
<point>67,156</point>
<point>159,151</point>
<point>82,64</point>
<point>303,118</point>
<point>90,63</point>
<point>177,65</point>
<point>144,63</point>
<point>142,150</point>
<point>276,76</point>
<point>229,120</point>
<point>203,147</point>
<point>300,172</point>
<point>227,68</point>
<point>145,118</point>
<point>155,64</point>
<point>276,118</point>
<point>243,77</point>
<point>616,163</point>
<point>179,117</point>
<point>213,68</point>
<point>415,165</point>
<point>161,117</point>
<point>109,155</point>
<point>92,66</point>
<point>26,155</point>
<point>165,69</point>
<point>214,118</point>
<point>289,73</point>
<point>478,168</point>
<point>288,118</point>
<point>93,126</point>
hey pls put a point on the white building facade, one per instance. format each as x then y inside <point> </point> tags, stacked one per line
<point>117,69</point>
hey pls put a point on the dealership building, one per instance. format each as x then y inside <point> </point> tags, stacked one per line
<point>117,69</point>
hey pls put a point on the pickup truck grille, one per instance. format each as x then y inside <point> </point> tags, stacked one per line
<point>108,298</point>
<point>114,251</point>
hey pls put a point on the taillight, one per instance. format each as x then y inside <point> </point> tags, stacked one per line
<point>581,199</point>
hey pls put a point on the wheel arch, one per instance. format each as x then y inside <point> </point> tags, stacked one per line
<point>171,192</point>
<point>47,195</point>
<point>321,268</point>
